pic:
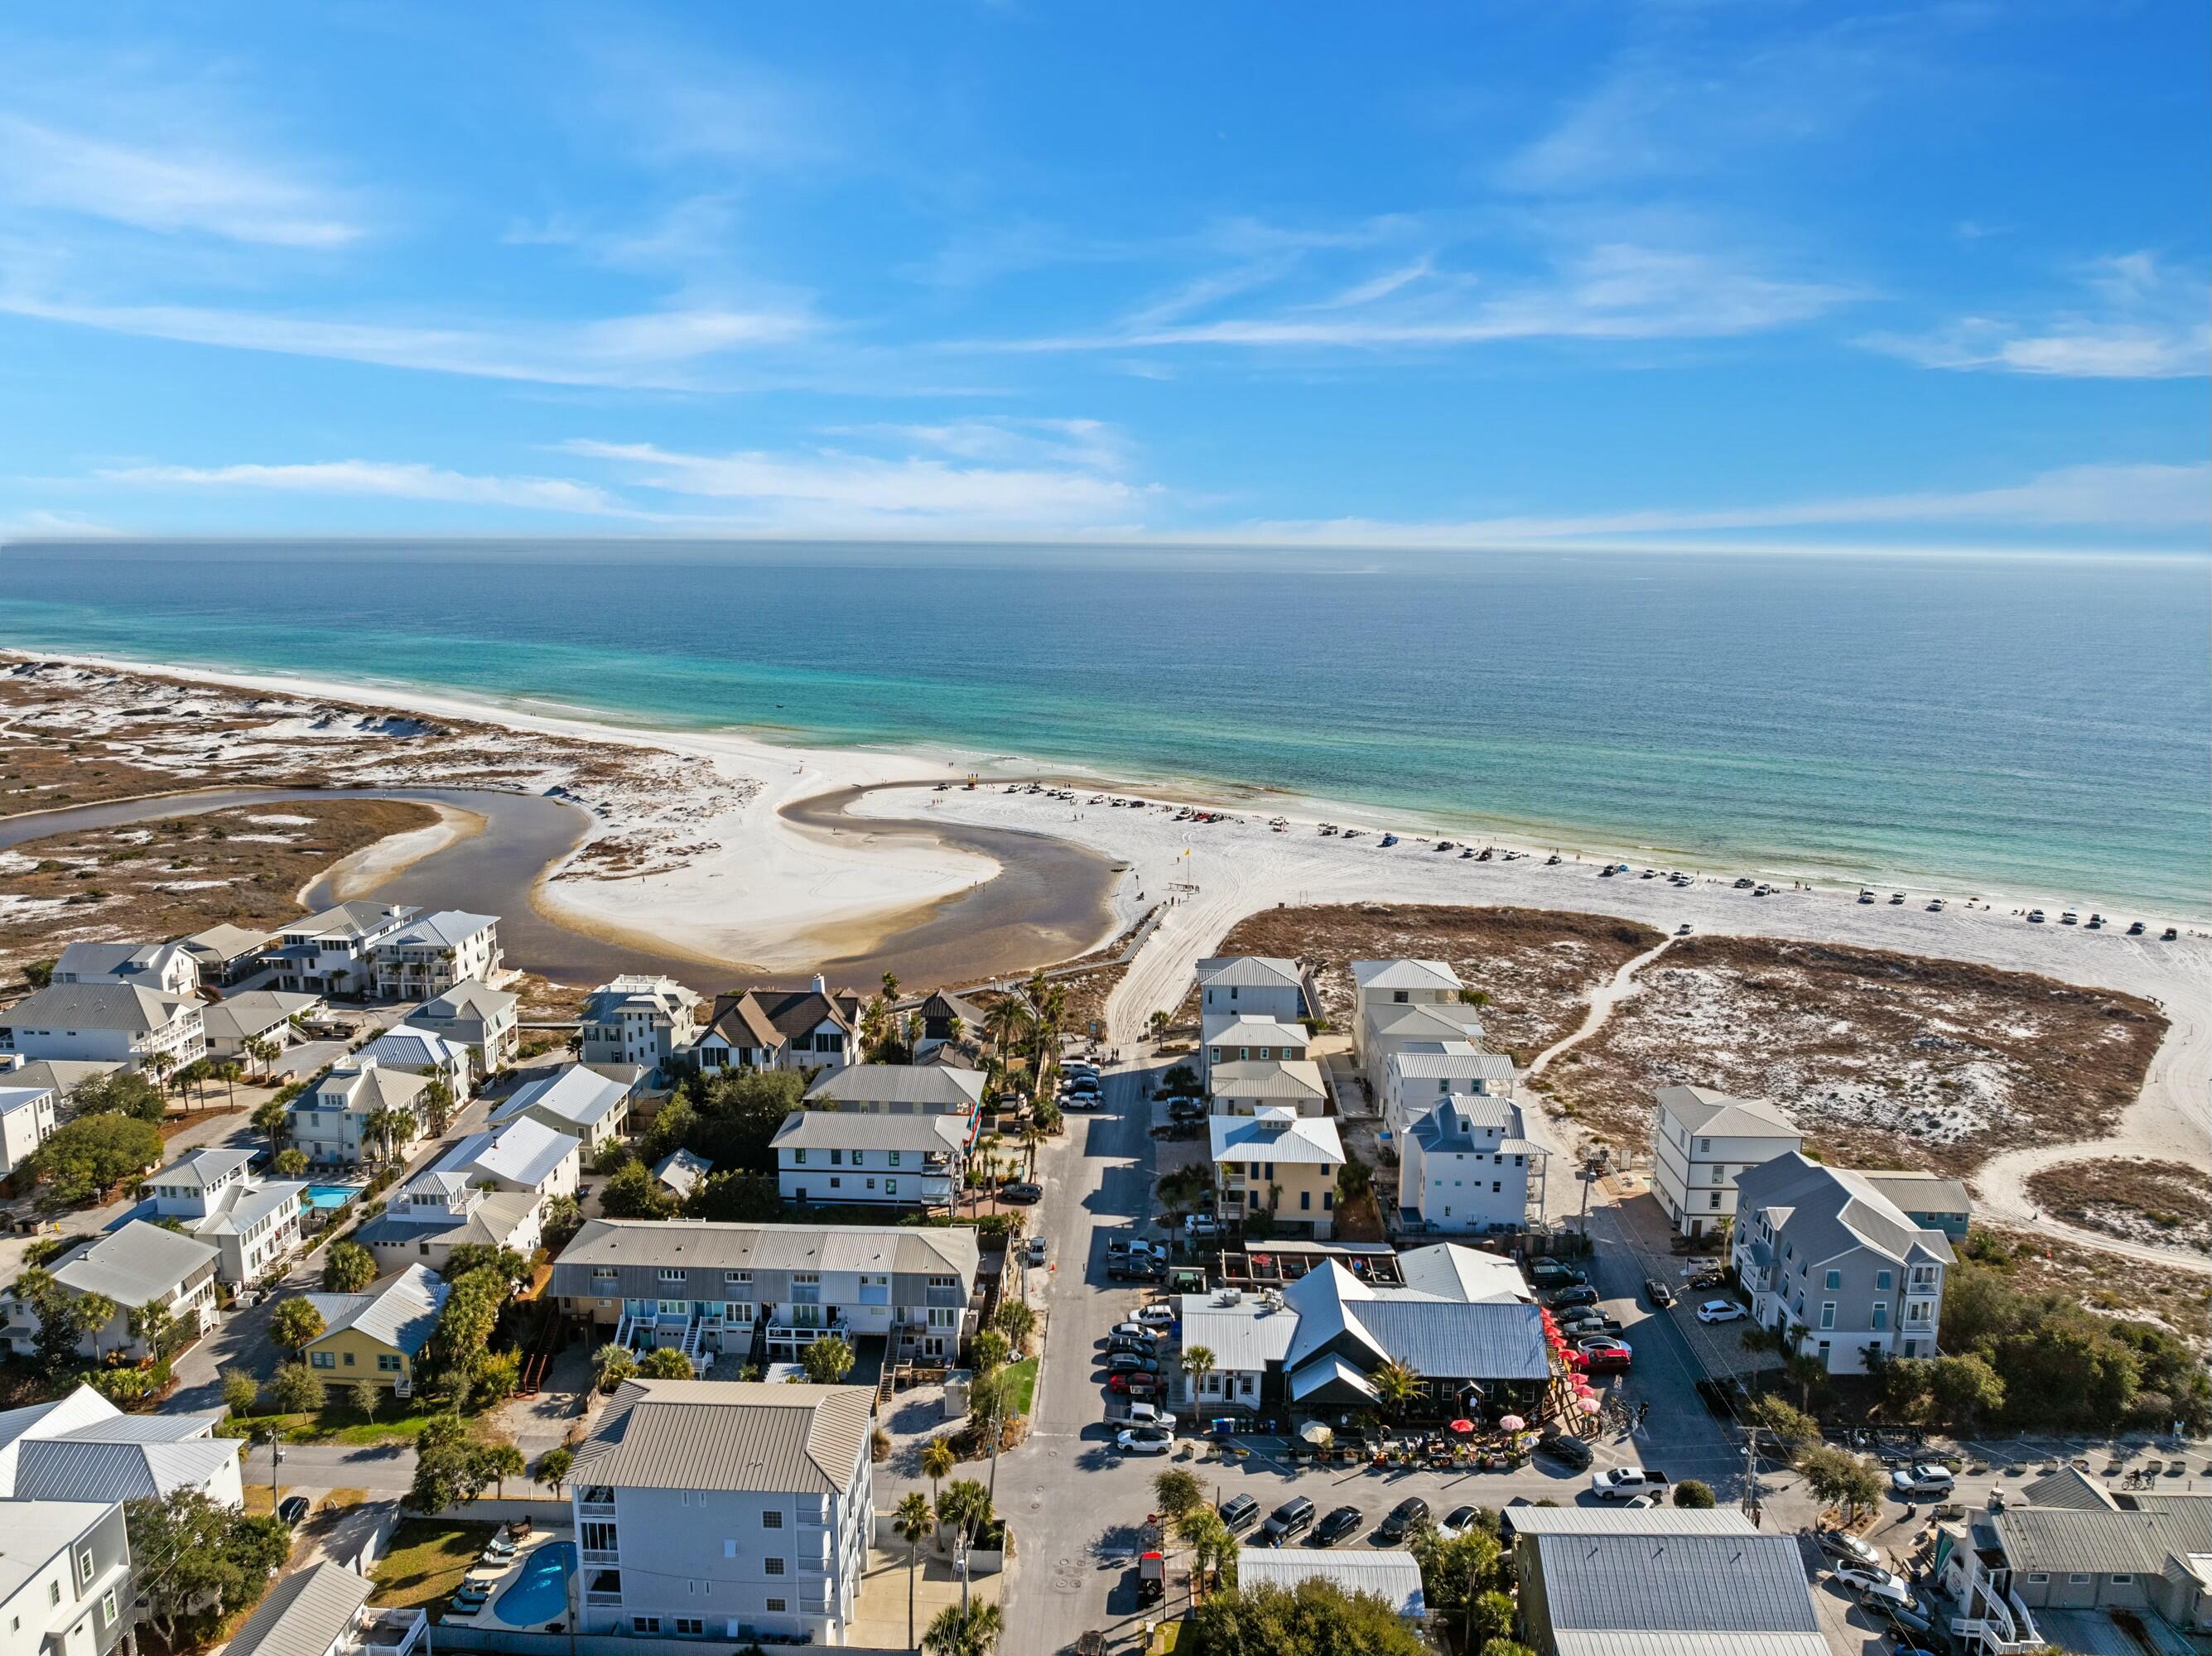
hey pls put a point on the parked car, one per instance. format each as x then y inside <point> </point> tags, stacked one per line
<point>1201,1224</point>
<point>294,1510</point>
<point>1619,1483</point>
<point>1035,1250</point>
<point>1122,1345</point>
<point>1021,1193</point>
<point>1144,1440</point>
<point>1658,1293</point>
<point>1135,1268</point>
<point>1408,1515</point>
<point>1554,1273</point>
<point>1459,1520</point>
<point>1564,1446</point>
<point>1343,1521</point>
<point>1908,1623</point>
<point>1606,1354</point>
<point>1133,1385</point>
<point>1847,1547</point>
<point>1585,1320</point>
<point>1161,1316</point>
<point>1872,1581</point>
<point>1078,1101</point>
<point>1151,1413</point>
<point>1579,1294</point>
<point>1186,1109</point>
<point>1714,1278</point>
<point>1721,1311</point>
<point>1286,1520</point>
<point>1240,1512</point>
<point>1921,1482</point>
<point>1132,1363</point>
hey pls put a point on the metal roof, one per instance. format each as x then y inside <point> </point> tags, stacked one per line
<point>1388,1574</point>
<point>304,1614</point>
<point>1249,972</point>
<point>496,1218</point>
<point>576,1094</point>
<point>226,941</point>
<point>73,1469</point>
<point>925,1249</point>
<point>249,1014</point>
<point>1450,1021</point>
<point>1832,1211</point>
<point>135,1264</point>
<point>681,1171</point>
<point>96,1006</point>
<point>523,1152</point>
<point>247,1205</point>
<point>2050,1539</point>
<point>1681,1584</point>
<point>201,1168</point>
<point>1620,1520</point>
<point>1716,1115</point>
<point>867,1129</point>
<point>1298,1078</point>
<point>928,1085</point>
<point>446,929</point>
<point>1452,1060</point>
<point>1246,1334</point>
<point>470,997</point>
<point>41,1531</point>
<point>729,1435</point>
<point>1920,1193</point>
<point>13,1099</point>
<point>403,1047</point>
<point>1276,1134</point>
<point>1261,1032</point>
<point>399,1312</point>
<point>1405,974</point>
<point>356,918</point>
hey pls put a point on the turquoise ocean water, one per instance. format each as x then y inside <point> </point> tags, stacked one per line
<point>1979,724</point>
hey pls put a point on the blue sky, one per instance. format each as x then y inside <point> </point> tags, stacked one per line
<point>1669,273</point>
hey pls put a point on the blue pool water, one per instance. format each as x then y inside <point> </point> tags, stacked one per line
<point>540,1593</point>
<point>328,1196</point>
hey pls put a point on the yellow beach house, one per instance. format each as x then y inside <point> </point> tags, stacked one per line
<point>378,1334</point>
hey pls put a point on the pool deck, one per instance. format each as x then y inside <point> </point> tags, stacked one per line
<point>496,1579</point>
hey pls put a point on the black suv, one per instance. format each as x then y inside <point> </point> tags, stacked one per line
<point>1286,1521</point>
<point>1338,1525</point>
<point>1404,1518</point>
<point>1580,1294</point>
<point>1658,1293</point>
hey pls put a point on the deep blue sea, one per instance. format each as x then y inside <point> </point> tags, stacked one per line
<point>1979,724</point>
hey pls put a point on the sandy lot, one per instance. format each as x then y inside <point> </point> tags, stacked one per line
<point>2137,1198</point>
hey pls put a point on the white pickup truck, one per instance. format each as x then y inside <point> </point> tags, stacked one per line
<point>1625,1483</point>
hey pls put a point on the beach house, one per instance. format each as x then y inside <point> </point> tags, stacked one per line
<point>135,1265</point>
<point>1702,1142</point>
<point>1929,1200</point>
<point>323,1611</point>
<point>837,1156</point>
<point>1831,1265</point>
<point>253,1223</point>
<point>1468,1166</point>
<point>1418,1074</point>
<point>27,1121</point>
<point>432,952</point>
<point>1232,988</point>
<point>1278,1164</point>
<point>583,1102</point>
<point>448,1206</point>
<point>256,1014</point>
<point>65,1583</point>
<point>1253,1041</point>
<point>106,1022</point>
<point>766,1027</point>
<point>474,1015</point>
<point>709,1287</point>
<point>378,1335</point>
<point>946,1021</point>
<point>523,1155</point>
<point>167,969</point>
<point>353,1109</point>
<point>726,1510</point>
<point>425,1053</point>
<point>81,1447</point>
<point>902,1089</point>
<point>644,1020</point>
<point>333,953</point>
<point>1245,1088</point>
<point>226,953</point>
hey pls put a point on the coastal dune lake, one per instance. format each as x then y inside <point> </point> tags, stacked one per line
<point>2004,723</point>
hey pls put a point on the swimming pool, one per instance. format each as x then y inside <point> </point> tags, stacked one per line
<point>540,1593</point>
<point>328,1196</point>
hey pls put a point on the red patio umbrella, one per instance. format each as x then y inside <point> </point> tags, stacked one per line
<point>1462,1427</point>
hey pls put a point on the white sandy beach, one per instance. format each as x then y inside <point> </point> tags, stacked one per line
<point>727,876</point>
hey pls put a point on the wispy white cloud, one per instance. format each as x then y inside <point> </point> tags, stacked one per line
<point>2124,499</point>
<point>1091,445</point>
<point>381,479</point>
<point>831,488</point>
<point>39,524</point>
<point>657,349</point>
<point>168,186</point>
<point>2136,319</point>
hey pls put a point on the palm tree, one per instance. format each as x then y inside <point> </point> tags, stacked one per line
<point>966,1505</point>
<point>1196,1362</point>
<point>150,1325</point>
<point>1213,1547</point>
<point>261,1051</point>
<point>1016,1321</point>
<point>937,1463</point>
<point>438,1104</point>
<point>915,1523</point>
<point>971,1630</point>
<point>1032,1136</point>
<point>273,1116</point>
<point>1158,1023</point>
<point>891,985</point>
<point>228,1072</point>
<point>1004,1021</point>
<point>91,1314</point>
<point>161,1064</point>
<point>1396,1384</point>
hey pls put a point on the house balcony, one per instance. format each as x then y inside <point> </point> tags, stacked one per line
<point>780,1332</point>
<point>601,1556</point>
<point>392,1632</point>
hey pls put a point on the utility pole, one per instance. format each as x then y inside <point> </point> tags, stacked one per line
<point>1751,1476</point>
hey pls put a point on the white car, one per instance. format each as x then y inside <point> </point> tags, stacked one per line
<point>1721,1311</point>
<point>1874,1582</point>
<point>1927,1479</point>
<point>1619,1483</point>
<point>1144,1440</point>
<point>1135,1330</point>
<point>1159,1315</point>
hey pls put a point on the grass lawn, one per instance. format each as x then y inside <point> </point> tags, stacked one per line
<point>338,1423</point>
<point>1024,1374</point>
<point>428,1559</point>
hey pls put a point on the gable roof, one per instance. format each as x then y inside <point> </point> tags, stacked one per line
<point>1716,1115</point>
<point>243,1016</point>
<point>1737,1594</point>
<point>927,1085</point>
<point>135,1263</point>
<point>472,997</point>
<point>405,1046</point>
<point>1447,1020</point>
<point>870,1130</point>
<point>1390,1574</point>
<point>449,928</point>
<point>226,941</point>
<point>1823,1212</point>
<point>682,1172</point>
<point>713,1246</point>
<point>523,1151</point>
<point>1276,1134</point>
<point>2102,1542</point>
<point>399,1312</point>
<point>13,1099</point>
<point>1405,974</point>
<point>356,918</point>
<point>303,1615</point>
<point>576,1094</point>
<point>1620,1520</point>
<point>77,1469</point>
<point>664,995</point>
<point>730,1435</point>
<point>1450,1060</point>
<point>1294,1078</point>
<point>1439,1131</point>
<point>1261,1032</point>
<point>125,1006</point>
<point>1488,1338</point>
<point>1251,972</point>
<point>1920,1193</point>
<point>368,1086</point>
<point>116,959</point>
<point>198,1169</point>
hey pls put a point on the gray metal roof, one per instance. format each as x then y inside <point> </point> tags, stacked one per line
<point>681,1171</point>
<point>1833,1211</point>
<point>200,1169</point>
<point>399,1312</point>
<point>1276,1134</point>
<point>1246,1334</point>
<point>41,1531</point>
<point>1404,974</point>
<point>251,1013</point>
<point>2050,1539</point>
<point>727,1435</point>
<point>1694,1584</point>
<point>472,997</point>
<point>13,1099</point>
<point>226,941</point>
<point>1249,972</point>
<point>403,1047</point>
<point>948,1250</point>
<point>1441,1128</point>
<point>1619,1520</point>
<point>135,1264</point>
<point>523,1151</point>
<point>867,1130</point>
<point>576,1094</point>
<point>74,1468</point>
<point>446,929</point>
<point>1419,1063</point>
<point>1390,1574</point>
<point>1716,1115</point>
<point>494,1218</point>
<point>356,918</point>
<point>303,1615</point>
<point>1449,1338</point>
<point>95,1006</point>
<point>1296,1078</point>
<point>929,1086</point>
<point>1921,1192</point>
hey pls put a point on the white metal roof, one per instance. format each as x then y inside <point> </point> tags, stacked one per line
<point>1390,1574</point>
<point>1276,1134</point>
<point>1405,974</point>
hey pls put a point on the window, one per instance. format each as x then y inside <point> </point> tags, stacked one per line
<point>1714,1200</point>
<point>895,1158</point>
<point>771,1520</point>
<point>1827,1313</point>
<point>2038,1578</point>
<point>2077,1580</point>
<point>84,1568</point>
<point>690,1624</point>
<point>670,1273</point>
<point>2121,1580</point>
<point>737,1276</point>
<point>389,1362</point>
<point>1879,1318</point>
<point>1835,1280</point>
<point>599,1536</point>
<point>799,1157</point>
<point>1305,1200</point>
<point>323,1359</point>
<point>1883,1280</point>
<point>53,1593</point>
<point>1704,1146</point>
<point>774,1606</point>
<point>645,1624</point>
<point>772,1565</point>
<point>836,1183</point>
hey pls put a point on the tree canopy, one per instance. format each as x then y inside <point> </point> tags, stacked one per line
<point>1315,1618</point>
<point>87,1158</point>
<point>198,1562</point>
